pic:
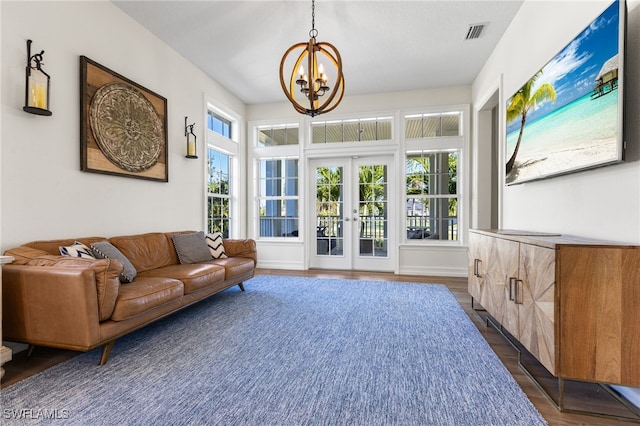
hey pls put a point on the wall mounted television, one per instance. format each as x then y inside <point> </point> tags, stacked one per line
<point>568,117</point>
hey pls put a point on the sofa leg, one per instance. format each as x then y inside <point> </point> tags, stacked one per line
<point>241,285</point>
<point>106,351</point>
<point>30,350</point>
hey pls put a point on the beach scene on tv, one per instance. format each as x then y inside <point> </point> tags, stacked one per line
<point>565,117</point>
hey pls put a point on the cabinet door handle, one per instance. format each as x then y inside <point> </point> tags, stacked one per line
<point>518,295</point>
<point>476,267</point>
<point>510,288</point>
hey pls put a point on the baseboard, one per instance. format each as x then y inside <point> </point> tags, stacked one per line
<point>276,264</point>
<point>435,271</point>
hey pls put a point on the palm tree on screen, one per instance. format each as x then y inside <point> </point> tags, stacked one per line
<point>520,104</point>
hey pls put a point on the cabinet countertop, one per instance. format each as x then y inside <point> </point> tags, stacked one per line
<point>549,240</point>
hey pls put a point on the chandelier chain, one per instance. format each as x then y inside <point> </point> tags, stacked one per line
<point>313,33</point>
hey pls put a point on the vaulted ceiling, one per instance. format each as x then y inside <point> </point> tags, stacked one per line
<point>386,46</point>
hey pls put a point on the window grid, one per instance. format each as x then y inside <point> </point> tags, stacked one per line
<point>218,192</point>
<point>432,195</point>
<point>278,197</point>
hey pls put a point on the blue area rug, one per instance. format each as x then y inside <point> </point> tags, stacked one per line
<point>289,351</point>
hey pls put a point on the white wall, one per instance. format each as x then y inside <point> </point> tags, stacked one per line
<point>44,193</point>
<point>361,104</point>
<point>602,203</point>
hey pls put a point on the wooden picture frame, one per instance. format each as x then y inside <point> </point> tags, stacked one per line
<point>123,125</point>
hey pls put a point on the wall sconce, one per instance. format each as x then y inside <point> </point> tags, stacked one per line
<point>191,144</point>
<point>36,99</point>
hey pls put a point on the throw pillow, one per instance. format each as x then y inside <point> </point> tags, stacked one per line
<point>106,250</point>
<point>77,249</point>
<point>191,248</point>
<point>216,247</point>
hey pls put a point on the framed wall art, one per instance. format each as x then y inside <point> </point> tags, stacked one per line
<point>123,126</point>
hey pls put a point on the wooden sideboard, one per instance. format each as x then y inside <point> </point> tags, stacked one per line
<point>573,303</point>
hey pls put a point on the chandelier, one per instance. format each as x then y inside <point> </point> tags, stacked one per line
<point>315,94</point>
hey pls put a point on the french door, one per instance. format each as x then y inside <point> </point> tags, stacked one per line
<point>351,217</point>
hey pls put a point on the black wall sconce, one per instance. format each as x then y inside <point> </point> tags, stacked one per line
<point>191,139</point>
<point>36,99</point>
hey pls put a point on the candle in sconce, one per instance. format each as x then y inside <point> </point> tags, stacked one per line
<point>38,91</point>
<point>40,96</point>
<point>191,149</point>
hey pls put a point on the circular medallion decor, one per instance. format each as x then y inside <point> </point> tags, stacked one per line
<point>126,127</point>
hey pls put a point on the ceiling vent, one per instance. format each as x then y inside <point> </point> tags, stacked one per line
<point>475,31</point>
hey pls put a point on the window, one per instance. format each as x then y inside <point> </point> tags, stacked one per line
<point>278,197</point>
<point>218,192</point>
<point>432,125</point>
<point>369,129</point>
<point>432,195</point>
<point>222,179</point>
<point>278,135</point>
<point>217,123</point>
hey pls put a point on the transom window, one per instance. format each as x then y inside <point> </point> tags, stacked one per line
<point>419,126</point>
<point>357,130</point>
<point>278,135</point>
<point>219,124</point>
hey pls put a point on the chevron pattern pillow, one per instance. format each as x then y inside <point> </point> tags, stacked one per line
<point>216,248</point>
<point>77,249</point>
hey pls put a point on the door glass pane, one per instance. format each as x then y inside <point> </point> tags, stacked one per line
<point>329,211</point>
<point>373,210</point>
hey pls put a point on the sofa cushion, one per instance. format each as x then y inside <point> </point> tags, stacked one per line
<point>106,250</point>
<point>191,248</point>
<point>216,245</point>
<point>235,266</point>
<point>76,249</point>
<point>241,248</point>
<point>143,294</point>
<point>194,276</point>
<point>106,271</point>
<point>146,251</point>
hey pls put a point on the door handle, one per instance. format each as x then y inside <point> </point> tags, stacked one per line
<point>518,295</point>
<point>476,267</point>
<point>355,219</point>
<point>511,297</point>
<point>346,219</point>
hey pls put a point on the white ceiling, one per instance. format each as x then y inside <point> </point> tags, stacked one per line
<point>386,46</point>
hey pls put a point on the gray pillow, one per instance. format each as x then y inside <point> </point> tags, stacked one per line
<point>106,250</point>
<point>191,248</point>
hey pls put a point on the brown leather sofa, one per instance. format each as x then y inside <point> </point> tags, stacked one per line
<point>81,304</point>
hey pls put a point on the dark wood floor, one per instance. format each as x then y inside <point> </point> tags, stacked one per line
<point>579,396</point>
